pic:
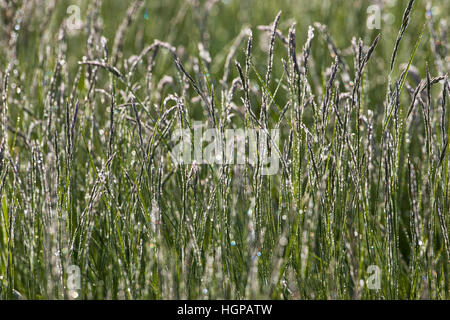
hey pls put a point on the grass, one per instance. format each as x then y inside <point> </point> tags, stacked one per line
<point>87,177</point>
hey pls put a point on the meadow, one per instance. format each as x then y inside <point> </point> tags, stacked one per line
<point>93,204</point>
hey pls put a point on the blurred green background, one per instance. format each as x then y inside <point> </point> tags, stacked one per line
<point>185,23</point>
<point>217,24</point>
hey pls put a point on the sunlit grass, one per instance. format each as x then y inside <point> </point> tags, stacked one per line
<point>87,177</point>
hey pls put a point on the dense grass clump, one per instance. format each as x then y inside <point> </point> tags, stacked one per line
<point>89,105</point>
